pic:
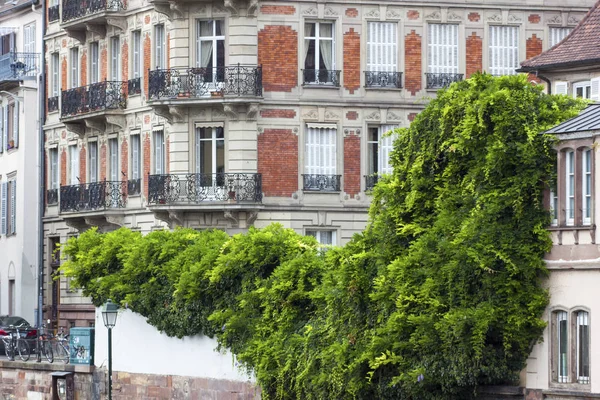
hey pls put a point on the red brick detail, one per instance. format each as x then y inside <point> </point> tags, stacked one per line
<point>168,50</point>
<point>412,56</point>
<point>352,115</point>
<point>278,55</point>
<point>351,12</point>
<point>82,165</point>
<point>278,162</point>
<point>147,20</point>
<point>412,116</point>
<point>474,17</point>
<point>125,159</point>
<point>277,10</point>
<point>83,69</point>
<point>533,47</point>
<point>63,168</point>
<point>146,119</point>
<point>64,43</point>
<point>147,58</point>
<point>352,164</point>
<point>412,14</point>
<point>46,176</point>
<point>103,64</point>
<point>168,155</point>
<point>103,162</point>
<point>146,155</point>
<point>351,60</point>
<point>474,54</point>
<point>125,63</point>
<point>63,73</point>
<point>534,18</point>
<point>47,92</point>
<point>277,113</point>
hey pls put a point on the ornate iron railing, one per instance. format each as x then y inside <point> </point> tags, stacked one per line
<point>134,187</point>
<point>371,181</point>
<point>93,196</point>
<point>74,9</point>
<point>441,80</point>
<point>52,104</point>
<point>134,86</point>
<point>322,183</point>
<point>53,13</point>
<point>52,196</point>
<point>383,79</point>
<point>95,97</point>
<point>238,80</point>
<point>17,66</point>
<point>199,188</point>
<point>321,77</point>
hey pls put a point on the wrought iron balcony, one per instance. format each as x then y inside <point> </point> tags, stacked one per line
<point>323,77</point>
<point>371,181</point>
<point>53,13</point>
<point>134,186</point>
<point>76,9</point>
<point>52,104</point>
<point>441,80</point>
<point>378,79</point>
<point>322,183</point>
<point>233,81</point>
<point>18,66</point>
<point>99,96</point>
<point>202,188</point>
<point>52,196</point>
<point>134,86</point>
<point>93,196</point>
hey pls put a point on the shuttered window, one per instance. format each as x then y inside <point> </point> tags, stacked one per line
<point>320,157</point>
<point>503,50</point>
<point>586,186</point>
<point>159,152</point>
<point>53,168</point>
<point>93,160</point>
<point>159,47</point>
<point>3,207</point>
<point>442,48</point>
<point>94,63</point>
<point>380,145</point>
<point>557,34</point>
<point>74,67</point>
<point>382,47</point>
<point>29,38</point>
<point>570,187</point>
<point>12,207</point>
<point>74,164</point>
<point>135,156</point>
<point>55,74</point>
<point>115,65</point>
<point>137,54</point>
<point>113,148</point>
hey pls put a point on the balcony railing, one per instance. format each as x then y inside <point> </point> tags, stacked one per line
<point>17,66</point>
<point>74,9</point>
<point>323,77</point>
<point>322,183</point>
<point>378,79</point>
<point>93,196</point>
<point>134,186</point>
<point>99,96</point>
<point>371,181</point>
<point>53,13</point>
<point>174,83</point>
<point>202,188</point>
<point>52,104</point>
<point>134,86</point>
<point>52,196</point>
<point>441,80</point>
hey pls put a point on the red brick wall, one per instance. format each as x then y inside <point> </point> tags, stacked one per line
<point>352,164</point>
<point>351,12</point>
<point>103,162</point>
<point>47,91</point>
<point>103,65</point>
<point>278,55</point>
<point>533,46</point>
<point>277,10</point>
<point>474,54</point>
<point>412,55</point>
<point>63,73</point>
<point>146,161</point>
<point>63,167</point>
<point>474,17</point>
<point>147,55</point>
<point>83,69</point>
<point>168,44</point>
<point>351,60</point>
<point>352,115</point>
<point>412,14</point>
<point>411,117</point>
<point>124,160</point>
<point>125,62</point>
<point>168,153</point>
<point>534,18</point>
<point>82,165</point>
<point>277,113</point>
<point>278,162</point>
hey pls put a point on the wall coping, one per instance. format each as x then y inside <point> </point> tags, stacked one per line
<point>45,366</point>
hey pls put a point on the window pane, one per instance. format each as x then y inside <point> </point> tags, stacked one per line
<point>325,30</point>
<point>563,345</point>
<point>583,347</point>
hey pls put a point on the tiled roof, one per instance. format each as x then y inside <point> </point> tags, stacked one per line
<point>581,46</point>
<point>587,120</point>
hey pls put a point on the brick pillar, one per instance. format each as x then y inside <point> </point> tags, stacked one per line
<point>47,92</point>
<point>474,54</point>
<point>83,69</point>
<point>125,62</point>
<point>46,175</point>
<point>533,47</point>
<point>82,164</point>
<point>412,55</point>
<point>352,164</point>
<point>63,167</point>
<point>351,60</point>
<point>103,162</point>
<point>147,58</point>
<point>125,159</point>
<point>103,64</point>
<point>168,44</point>
<point>278,55</point>
<point>147,155</point>
<point>278,162</point>
<point>63,73</point>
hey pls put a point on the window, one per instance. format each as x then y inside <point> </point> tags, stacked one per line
<point>380,144</point>
<point>74,165</point>
<point>210,49</point>
<point>93,160</point>
<point>504,50</point>
<point>54,168</point>
<point>115,63</point>
<point>159,151</point>
<point>558,34</point>
<point>324,237</point>
<point>136,40</point>
<point>554,196</point>
<point>11,297</point>
<point>7,43</point>
<point>442,49</point>
<point>74,67</point>
<point>113,149</point>
<point>8,200</point>
<point>382,48</point>
<point>159,47</point>
<point>210,151</point>
<point>319,60</point>
<point>94,63</point>
<point>135,156</point>
<point>583,347</point>
<point>586,186</point>
<point>570,347</point>
<point>9,121</point>
<point>320,159</point>
<point>29,38</point>
<point>55,68</point>
<point>570,187</point>
<point>562,334</point>
<point>582,89</point>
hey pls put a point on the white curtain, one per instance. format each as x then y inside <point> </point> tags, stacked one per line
<point>325,46</point>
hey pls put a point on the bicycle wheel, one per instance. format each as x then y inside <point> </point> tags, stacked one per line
<point>62,354</point>
<point>47,351</point>
<point>23,349</point>
<point>9,349</point>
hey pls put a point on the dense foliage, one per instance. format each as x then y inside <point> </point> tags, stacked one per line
<point>440,294</point>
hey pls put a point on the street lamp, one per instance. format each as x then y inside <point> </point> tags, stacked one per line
<point>109,315</point>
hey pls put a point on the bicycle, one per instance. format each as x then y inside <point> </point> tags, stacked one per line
<point>61,343</point>
<point>14,343</point>
<point>46,345</point>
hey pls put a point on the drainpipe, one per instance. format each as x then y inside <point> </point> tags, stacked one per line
<point>537,74</point>
<point>42,197</point>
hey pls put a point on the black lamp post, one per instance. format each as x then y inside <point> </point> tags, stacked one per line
<point>109,315</point>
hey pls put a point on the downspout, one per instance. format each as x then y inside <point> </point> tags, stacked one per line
<point>537,75</point>
<point>42,197</point>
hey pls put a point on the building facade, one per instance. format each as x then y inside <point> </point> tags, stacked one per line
<point>20,56</point>
<point>238,113</point>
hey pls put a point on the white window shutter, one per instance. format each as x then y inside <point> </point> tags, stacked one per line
<point>561,87</point>
<point>386,146</point>
<point>1,129</point>
<point>16,125</point>
<point>13,207</point>
<point>135,157</point>
<point>3,194</point>
<point>5,126</point>
<point>595,90</point>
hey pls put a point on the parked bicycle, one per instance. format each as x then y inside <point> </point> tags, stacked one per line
<point>45,344</point>
<point>14,343</point>
<point>61,346</point>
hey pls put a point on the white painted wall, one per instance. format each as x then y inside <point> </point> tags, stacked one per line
<point>139,348</point>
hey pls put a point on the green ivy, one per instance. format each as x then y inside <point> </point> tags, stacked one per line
<point>440,294</point>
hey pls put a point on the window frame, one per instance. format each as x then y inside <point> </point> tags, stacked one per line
<point>317,38</point>
<point>586,87</point>
<point>587,185</point>
<point>136,161</point>
<point>570,187</point>
<point>55,67</point>
<point>377,48</point>
<point>383,145</point>
<point>94,62</point>
<point>113,160</point>
<point>158,169</point>
<point>315,151</point>
<point>503,50</point>
<point>571,351</point>
<point>93,170</point>
<point>137,59</point>
<point>318,232</point>
<point>73,174</point>
<point>160,52</point>
<point>54,168</point>
<point>432,48</point>
<point>74,62</point>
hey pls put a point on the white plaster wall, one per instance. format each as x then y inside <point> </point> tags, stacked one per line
<point>139,348</point>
